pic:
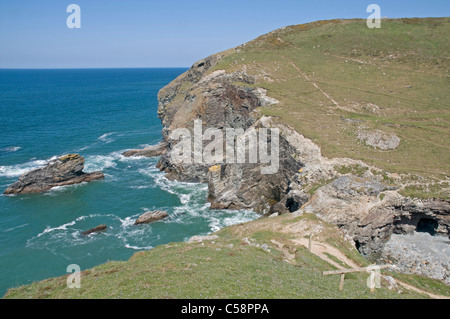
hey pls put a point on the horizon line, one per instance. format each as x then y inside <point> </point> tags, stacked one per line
<point>95,68</point>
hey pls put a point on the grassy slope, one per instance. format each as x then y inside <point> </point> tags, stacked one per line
<point>229,267</point>
<point>403,68</point>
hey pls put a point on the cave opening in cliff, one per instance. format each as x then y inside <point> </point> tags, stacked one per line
<point>357,245</point>
<point>427,225</point>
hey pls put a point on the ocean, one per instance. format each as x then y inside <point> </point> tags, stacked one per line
<point>99,114</point>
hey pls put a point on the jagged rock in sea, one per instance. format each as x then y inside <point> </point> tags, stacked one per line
<point>150,151</point>
<point>65,170</point>
<point>150,217</point>
<point>97,229</point>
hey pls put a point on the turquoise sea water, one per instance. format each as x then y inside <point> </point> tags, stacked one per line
<point>98,113</point>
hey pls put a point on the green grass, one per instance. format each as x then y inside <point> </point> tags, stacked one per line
<point>431,285</point>
<point>436,190</point>
<point>229,267</point>
<point>356,169</point>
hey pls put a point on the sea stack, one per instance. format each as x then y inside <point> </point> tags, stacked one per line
<point>65,170</point>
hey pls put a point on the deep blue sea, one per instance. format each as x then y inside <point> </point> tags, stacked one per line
<point>97,113</point>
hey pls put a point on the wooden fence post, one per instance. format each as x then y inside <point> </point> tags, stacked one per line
<point>341,284</point>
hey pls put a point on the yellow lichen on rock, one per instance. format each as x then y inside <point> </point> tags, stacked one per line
<point>215,168</point>
<point>69,157</point>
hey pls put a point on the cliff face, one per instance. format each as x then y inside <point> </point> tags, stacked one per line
<point>216,101</point>
<point>363,200</point>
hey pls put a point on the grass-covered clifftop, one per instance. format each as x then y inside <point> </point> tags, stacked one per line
<point>348,87</point>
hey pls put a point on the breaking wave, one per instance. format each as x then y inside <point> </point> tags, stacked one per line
<point>10,149</point>
<point>20,169</point>
<point>106,138</point>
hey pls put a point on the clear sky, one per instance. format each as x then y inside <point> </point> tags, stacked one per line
<point>163,33</point>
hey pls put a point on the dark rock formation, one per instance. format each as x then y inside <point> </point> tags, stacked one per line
<point>97,229</point>
<point>151,217</point>
<point>66,170</point>
<point>238,186</point>
<point>151,151</point>
<point>430,216</point>
<point>220,103</point>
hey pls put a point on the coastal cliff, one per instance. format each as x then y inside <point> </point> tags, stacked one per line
<point>362,117</point>
<point>248,88</point>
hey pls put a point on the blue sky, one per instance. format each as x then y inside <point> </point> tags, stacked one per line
<point>163,33</point>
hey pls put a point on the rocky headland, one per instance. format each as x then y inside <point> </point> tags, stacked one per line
<point>363,200</point>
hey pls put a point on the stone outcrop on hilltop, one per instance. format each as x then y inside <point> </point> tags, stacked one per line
<point>63,171</point>
<point>364,207</point>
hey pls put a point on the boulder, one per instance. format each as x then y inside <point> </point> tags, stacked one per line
<point>97,229</point>
<point>150,217</point>
<point>65,170</point>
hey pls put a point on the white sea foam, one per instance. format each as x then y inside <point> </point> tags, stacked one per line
<point>107,137</point>
<point>141,187</point>
<point>128,221</point>
<point>99,162</point>
<point>10,149</point>
<point>14,228</point>
<point>20,169</point>
<point>137,247</point>
<point>84,148</point>
<point>192,209</point>
<point>54,191</point>
<point>65,235</point>
<point>49,229</point>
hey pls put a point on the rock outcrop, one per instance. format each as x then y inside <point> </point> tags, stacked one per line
<point>150,217</point>
<point>379,139</point>
<point>220,103</point>
<point>94,230</point>
<point>355,204</point>
<point>420,253</point>
<point>150,151</point>
<point>65,170</point>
